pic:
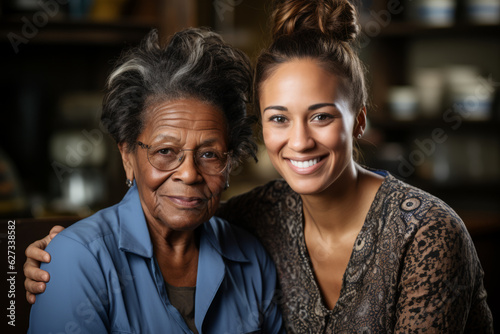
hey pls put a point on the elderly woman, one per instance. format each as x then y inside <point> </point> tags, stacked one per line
<point>159,262</point>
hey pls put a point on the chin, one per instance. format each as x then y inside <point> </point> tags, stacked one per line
<point>183,225</point>
<point>184,220</point>
<point>305,187</point>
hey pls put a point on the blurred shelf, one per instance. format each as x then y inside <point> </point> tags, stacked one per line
<point>418,124</point>
<point>398,29</point>
<point>467,186</point>
<point>82,32</point>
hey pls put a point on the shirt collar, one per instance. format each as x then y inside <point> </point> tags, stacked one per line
<point>134,233</point>
<point>223,239</point>
<point>135,238</point>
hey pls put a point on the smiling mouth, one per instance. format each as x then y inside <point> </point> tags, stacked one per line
<point>306,163</point>
<point>188,202</point>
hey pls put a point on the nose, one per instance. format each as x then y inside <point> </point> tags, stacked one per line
<point>300,138</point>
<point>188,172</point>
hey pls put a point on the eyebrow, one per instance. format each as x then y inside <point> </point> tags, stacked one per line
<point>172,139</point>
<point>164,137</point>
<point>312,107</point>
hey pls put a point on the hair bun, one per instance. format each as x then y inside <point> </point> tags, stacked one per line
<point>337,19</point>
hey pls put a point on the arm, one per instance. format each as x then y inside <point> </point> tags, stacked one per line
<point>35,277</point>
<point>439,278</point>
<point>75,299</point>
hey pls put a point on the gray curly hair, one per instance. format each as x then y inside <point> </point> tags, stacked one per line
<point>195,63</point>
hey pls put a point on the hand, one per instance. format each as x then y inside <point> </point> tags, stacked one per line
<point>35,277</point>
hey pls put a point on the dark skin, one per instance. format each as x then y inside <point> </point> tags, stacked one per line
<point>178,260</point>
<point>175,203</point>
<point>32,267</point>
<point>306,119</point>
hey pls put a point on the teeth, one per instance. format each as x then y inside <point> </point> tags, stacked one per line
<point>304,164</point>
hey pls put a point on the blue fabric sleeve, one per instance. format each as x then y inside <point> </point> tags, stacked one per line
<point>76,298</point>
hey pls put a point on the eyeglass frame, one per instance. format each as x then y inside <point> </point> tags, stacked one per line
<point>181,160</point>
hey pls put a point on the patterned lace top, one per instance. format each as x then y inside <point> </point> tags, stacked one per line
<point>413,267</point>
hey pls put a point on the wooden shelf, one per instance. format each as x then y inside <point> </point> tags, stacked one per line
<point>78,31</point>
<point>430,123</point>
<point>398,29</point>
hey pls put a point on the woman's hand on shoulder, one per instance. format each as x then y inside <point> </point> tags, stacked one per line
<point>35,254</point>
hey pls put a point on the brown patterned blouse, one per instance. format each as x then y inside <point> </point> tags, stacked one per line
<point>413,268</point>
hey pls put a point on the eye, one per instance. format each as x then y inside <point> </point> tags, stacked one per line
<point>322,117</point>
<point>277,119</point>
<point>165,151</point>
<point>209,154</point>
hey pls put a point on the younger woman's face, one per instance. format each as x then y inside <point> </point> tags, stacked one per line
<point>307,125</point>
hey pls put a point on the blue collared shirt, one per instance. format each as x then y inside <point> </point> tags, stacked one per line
<point>105,279</point>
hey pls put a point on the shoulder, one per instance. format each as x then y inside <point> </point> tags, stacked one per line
<point>416,206</point>
<point>432,229</point>
<point>425,225</point>
<point>88,239</point>
<point>101,224</point>
<point>76,251</point>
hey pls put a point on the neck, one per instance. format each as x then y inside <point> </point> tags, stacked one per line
<point>166,239</point>
<point>331,211</point>
<point>176,253</point>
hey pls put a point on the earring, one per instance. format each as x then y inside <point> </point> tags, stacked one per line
<point>227,185</point>
<point>359,136</point>
<point>129,183</point>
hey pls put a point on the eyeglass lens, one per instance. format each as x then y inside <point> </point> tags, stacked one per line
<point>208,160</point>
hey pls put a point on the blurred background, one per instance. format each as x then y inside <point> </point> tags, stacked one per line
<point>433,71</point>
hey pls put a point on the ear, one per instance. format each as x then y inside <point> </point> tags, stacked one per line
<point>226,185</point>
<point>360,127</point>
<point>127,159</point>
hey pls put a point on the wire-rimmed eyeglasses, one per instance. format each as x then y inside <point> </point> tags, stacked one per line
<point>165,157</point>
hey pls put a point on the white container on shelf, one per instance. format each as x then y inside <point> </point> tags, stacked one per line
<point>429,83</point>
<point>469,93</point>
<point>435,12</point>
<point>483,11</point>
<point>473,101</point>
<point>403,103</point>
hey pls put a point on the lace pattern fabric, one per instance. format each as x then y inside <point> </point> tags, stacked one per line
<point>413,265</point>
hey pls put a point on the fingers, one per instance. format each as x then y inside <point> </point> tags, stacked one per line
<point>54,231</point>
<point>36,251</point>
<point>31,298</point>
<point>33,287</point>
<point>33,272</point>
<point>36,277</point>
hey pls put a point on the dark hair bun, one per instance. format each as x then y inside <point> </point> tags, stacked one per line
<point>337,19</point>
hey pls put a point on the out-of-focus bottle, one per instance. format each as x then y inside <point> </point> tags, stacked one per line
<point>483,11</point>
<point>434,12</point>
<point>403,103</point>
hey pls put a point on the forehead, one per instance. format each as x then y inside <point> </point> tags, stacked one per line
<point>301,75</point>
<point>184,117</point>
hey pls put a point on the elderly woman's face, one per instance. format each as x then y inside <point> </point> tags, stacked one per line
<point>185,197</point>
